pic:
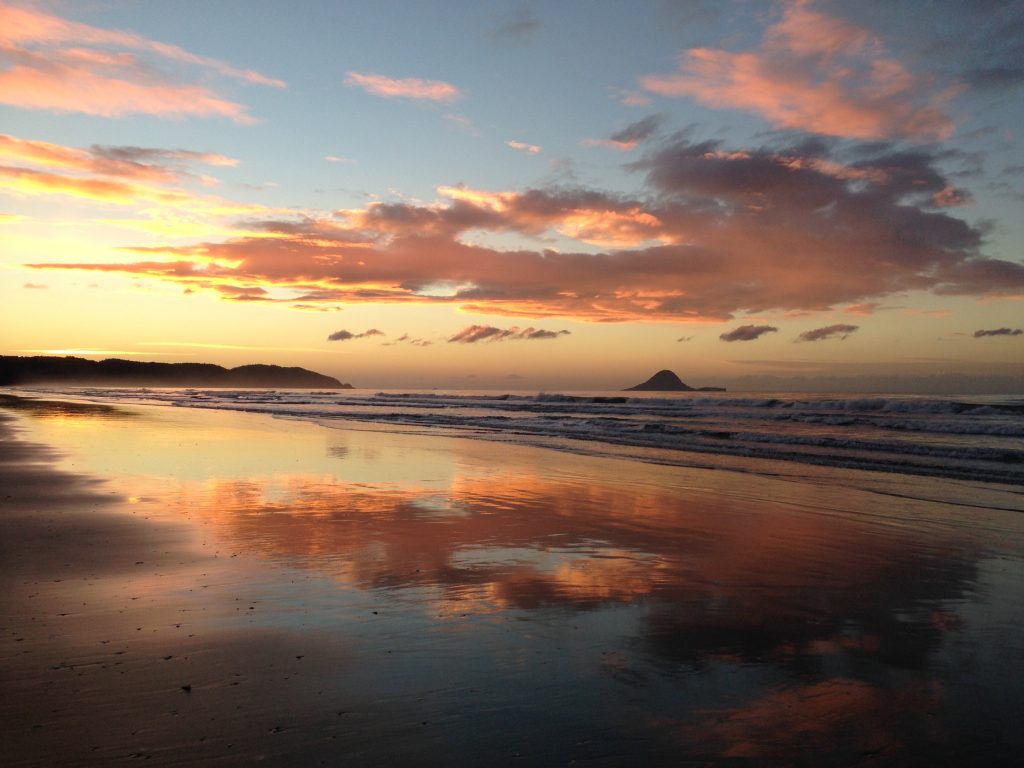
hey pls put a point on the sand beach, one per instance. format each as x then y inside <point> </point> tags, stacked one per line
<point>190,587</point>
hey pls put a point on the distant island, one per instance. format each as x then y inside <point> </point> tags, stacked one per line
<point>132,373</point>
<point>667,381</point>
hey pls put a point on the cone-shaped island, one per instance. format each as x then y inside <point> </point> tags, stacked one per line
<point>667,381</point>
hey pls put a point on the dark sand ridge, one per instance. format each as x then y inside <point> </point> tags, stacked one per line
<point>508,610</point>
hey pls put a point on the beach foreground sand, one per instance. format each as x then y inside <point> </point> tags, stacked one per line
<point>212,588</point>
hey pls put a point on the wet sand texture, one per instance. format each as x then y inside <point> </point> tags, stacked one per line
<point>251,590</point>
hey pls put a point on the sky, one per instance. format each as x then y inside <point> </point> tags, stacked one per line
<point>820,194</point>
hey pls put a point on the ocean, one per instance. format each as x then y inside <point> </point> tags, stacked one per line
<point>978,438</point>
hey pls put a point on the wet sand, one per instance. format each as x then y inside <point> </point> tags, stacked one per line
<point>220,588</point>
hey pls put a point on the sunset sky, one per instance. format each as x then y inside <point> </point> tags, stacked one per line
<point>518,195</point>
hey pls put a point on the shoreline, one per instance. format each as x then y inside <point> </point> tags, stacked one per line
<point>260,589</point>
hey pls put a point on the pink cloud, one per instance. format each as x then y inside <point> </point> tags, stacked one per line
<point>818,73</point>
<point>404,88</point>
<point>462,122</point>
<point>634,99</point>
<point>622,146</point>
<point>64,66</point>
<point>531,149</point>
<point>27,25</point>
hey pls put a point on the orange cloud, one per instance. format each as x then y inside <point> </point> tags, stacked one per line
<point>55,64</point>
<point>591,218</point>
<point>717,233</point>
<point>142,177</point>
<point>29,182</point>
<point>155,165</point>
<point>113,191</point>
<point>404,88</point>
<point>814,72</point>
<point>612,228</point>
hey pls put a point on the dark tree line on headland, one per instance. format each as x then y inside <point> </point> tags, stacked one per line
<point>131,373</point>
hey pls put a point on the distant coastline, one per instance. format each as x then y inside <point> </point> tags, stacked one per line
<point>132,373</point>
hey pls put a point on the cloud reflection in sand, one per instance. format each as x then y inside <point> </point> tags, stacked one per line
<point>704,614</point>
<point>716,575</point>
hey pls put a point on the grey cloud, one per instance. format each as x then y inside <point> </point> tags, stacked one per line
<point>747,332</point>
<point>521,24</point>
<point>474,333</point>
<point>161,166</point>
<point>129,154</point>
<point>638,131</point>
<point>346,335</point>
<point>995,78</point>
<point>999,332</point>
<point>828,332</point>
<point>405,338</point>
<point>976,42</point>
<point>541,334</point>
<point>151,163</point>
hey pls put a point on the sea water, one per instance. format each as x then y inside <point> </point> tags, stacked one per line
<point>978,438</point>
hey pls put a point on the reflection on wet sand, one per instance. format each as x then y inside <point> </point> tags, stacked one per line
<point>836,722</point>
<point>59,409</point>
<point>579,609</point>
<point>740,566</point>
<point>719,581</point>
